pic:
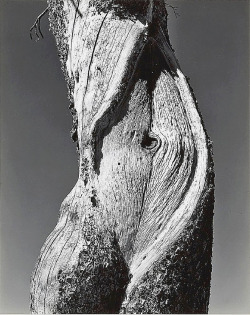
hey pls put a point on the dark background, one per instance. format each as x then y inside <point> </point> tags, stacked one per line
<point>39,162</point>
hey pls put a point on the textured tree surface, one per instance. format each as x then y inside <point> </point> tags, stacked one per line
<point>135,233</point>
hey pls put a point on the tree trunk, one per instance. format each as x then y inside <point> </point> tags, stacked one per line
<point>135,233</point>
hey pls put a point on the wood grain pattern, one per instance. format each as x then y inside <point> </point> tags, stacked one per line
<point>135,233</point>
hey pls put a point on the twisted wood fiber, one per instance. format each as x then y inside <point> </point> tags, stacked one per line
<point>135,233</point>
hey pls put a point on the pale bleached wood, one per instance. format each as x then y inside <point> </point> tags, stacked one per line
<point>135,233</point>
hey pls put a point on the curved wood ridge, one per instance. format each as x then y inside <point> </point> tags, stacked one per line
<point>135,233</point>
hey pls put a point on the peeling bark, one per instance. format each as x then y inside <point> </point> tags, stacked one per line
<point>135,233</point>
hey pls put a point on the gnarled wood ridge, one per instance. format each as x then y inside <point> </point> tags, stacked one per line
<point>135,233</point>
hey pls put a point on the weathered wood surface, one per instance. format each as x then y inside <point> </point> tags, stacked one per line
<point>135,233</point>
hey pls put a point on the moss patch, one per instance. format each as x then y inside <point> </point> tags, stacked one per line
<point>98,282</point>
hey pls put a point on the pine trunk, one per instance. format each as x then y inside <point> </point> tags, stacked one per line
<point>135,233</point>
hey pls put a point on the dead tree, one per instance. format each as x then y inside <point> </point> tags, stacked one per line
<point>135,233</point>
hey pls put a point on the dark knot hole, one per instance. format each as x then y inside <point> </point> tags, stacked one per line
<point>150,141</point>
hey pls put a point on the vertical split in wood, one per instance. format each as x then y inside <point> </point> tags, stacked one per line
<point>135,233</point>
